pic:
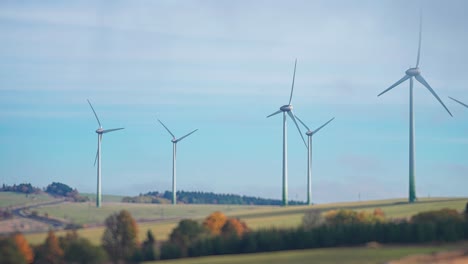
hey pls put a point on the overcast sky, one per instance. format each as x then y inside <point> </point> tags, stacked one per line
<point>222,67</point>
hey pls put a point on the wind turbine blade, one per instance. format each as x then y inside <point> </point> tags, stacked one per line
<point>406,77</point>
<point>316,130</point>
<point>302,122</point>
<point>275,113</point>
<point>465,105</point>
<point>298,129</point>
<point>420,34</point>
<point>294,77</point>
<point>167,129</point>
<point>112,129</point>
<point>186,135</point>
<point>420,79</point>
<point>94,113</point>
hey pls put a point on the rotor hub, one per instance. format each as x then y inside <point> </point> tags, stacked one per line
<point>309,133</point>
<point>99,130</point>
<point>413,71</point>
<point>286,108</point>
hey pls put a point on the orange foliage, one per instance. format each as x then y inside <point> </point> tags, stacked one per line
<point>52,251</point>
<point>234,226</point>
<point>24,247</point>
<point>215,222</point>
<point>379,212</point>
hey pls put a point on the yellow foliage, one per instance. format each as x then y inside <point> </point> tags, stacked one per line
<point>344,217</point>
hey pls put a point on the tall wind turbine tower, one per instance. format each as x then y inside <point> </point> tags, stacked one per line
<point>174,151</point>
<point>99,131</point>
<point>309,134</point>
<point>465,105</point>
<point>287,109</point>
<point>416,74</point>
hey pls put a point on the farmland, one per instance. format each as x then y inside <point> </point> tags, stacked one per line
<point>161,219</point>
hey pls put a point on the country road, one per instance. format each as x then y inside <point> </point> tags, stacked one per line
<point>19,212</point>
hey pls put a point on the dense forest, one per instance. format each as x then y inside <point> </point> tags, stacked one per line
<point>204,198</point>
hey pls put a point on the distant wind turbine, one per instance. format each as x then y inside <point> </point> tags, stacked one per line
<point>309,134</point>
<point>99,131</point>
<point>465,105</point>
<point>287,109</point>
<point>174,151</point>
<point>409,74</point>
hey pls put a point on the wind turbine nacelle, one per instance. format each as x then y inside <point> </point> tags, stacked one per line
<point>286,108</point>
<point>99,130</point>
<point>413,71</point>
<point>309,133</point>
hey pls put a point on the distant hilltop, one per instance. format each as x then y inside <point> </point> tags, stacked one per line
<point>204,198</point>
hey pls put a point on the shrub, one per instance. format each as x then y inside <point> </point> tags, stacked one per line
<point>312,218</point>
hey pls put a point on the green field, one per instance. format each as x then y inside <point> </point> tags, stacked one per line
<point>165,217</point>
<point>105,197</point>
<point>87,213</point>
<point>354,255</point>
<point>8,199</point>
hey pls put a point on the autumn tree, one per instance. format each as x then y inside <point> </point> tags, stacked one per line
<point>23,247</point>
<point>215,222</point>
<point>50,252</point>
<point>234,226</point>
<point>120,237</point>
<point>9,251</point>
<point>349,217</point>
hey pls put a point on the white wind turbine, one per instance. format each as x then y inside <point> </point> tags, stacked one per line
<point>410,74</point>
<point>99,131</point>
<point>465,105</point>
<point>287,109</point>
<point>174,151</point>
<point>309,134</point>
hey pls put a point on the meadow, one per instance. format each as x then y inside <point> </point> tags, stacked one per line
<point>8,199</point>
<point>162,218</point>
<point>351,255</point>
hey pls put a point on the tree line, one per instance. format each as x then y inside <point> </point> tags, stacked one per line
<point>338,228</point>
<point>56,189</point>
<point>204,198</point>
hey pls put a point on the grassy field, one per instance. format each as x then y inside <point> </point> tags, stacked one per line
<point>17,199</point>
<point>354,255</point>
<point>109,198</point>
<point>87,213</point>
<point>166,217</point>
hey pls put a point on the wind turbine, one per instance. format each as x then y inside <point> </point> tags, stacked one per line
<point>309,134</point>
<point>409,74</point>
<point>99,131</point>
<point>174,151</point>
<point>465,105</point>
<point>287,109</point>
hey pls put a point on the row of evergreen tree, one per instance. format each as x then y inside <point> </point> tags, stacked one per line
<point>436,226</point>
